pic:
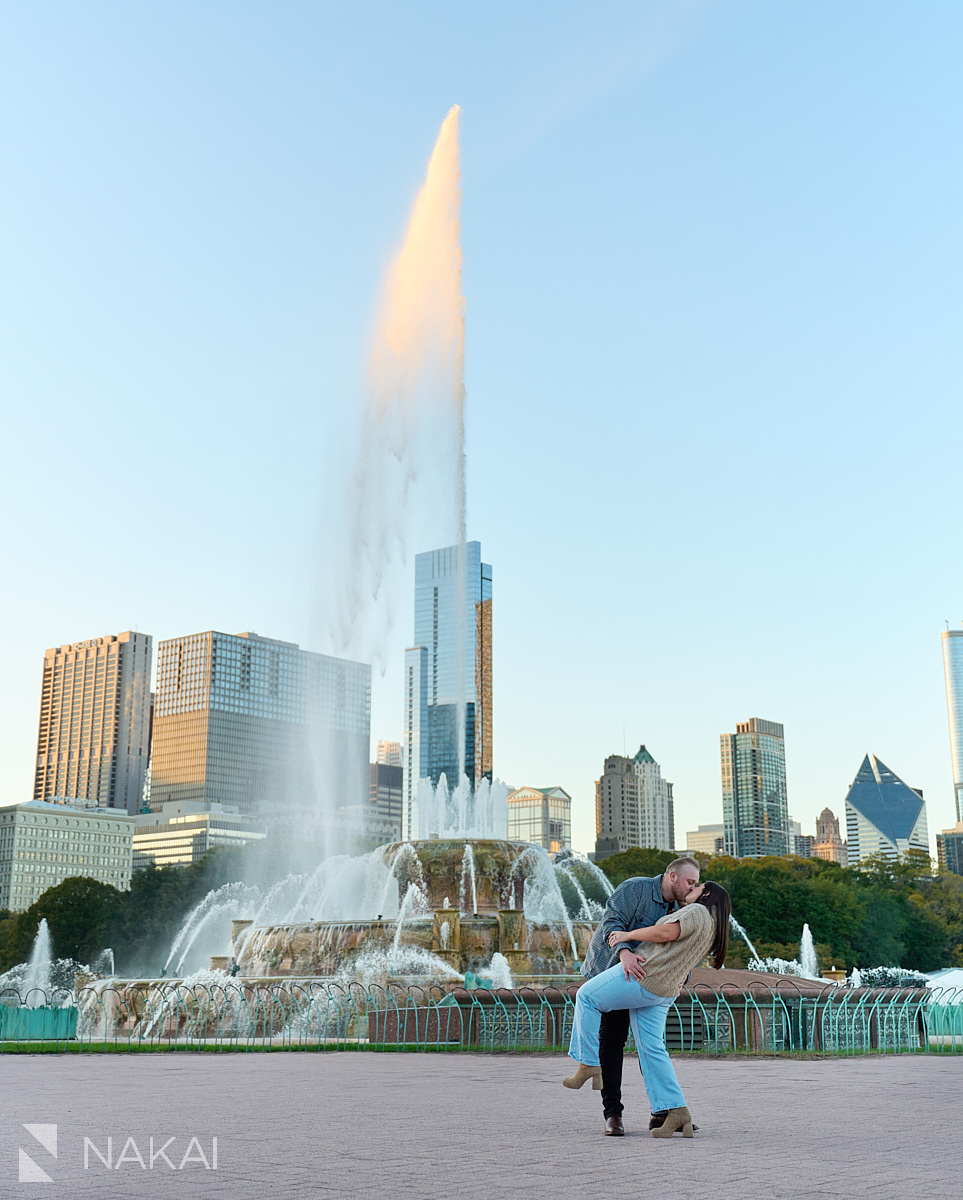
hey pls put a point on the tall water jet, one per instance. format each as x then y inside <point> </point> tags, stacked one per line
<point>409,475</point>
<point>738,929</point>
<point>807,954</point>
<point>36,983</point>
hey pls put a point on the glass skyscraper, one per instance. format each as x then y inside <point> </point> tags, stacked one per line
<point>448,674</point>
<point>260,724</point>
<point>755,807</point>
<point>953,674</point>
<point>883,815</point>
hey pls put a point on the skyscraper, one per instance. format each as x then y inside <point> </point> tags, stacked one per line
<point>261,724</point>
<point>633,806</point>
<point>755,807</point>
<point>953,674</point>
<point>93,742</point>
<point>949,849</point>
<point>883,814</point>
<point>448,674</point>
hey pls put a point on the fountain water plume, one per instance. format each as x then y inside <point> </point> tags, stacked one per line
<point>37,979</point>
<point>479,812</point>
<point>410,469</point>
<point>469,886</point>
<point>414,906</point>
<point>737,928</point>
<point>807,954</point>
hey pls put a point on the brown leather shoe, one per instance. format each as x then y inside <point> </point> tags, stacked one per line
<point>613,1127</point>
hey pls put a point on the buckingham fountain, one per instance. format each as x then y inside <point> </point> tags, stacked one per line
<point>480,905</point>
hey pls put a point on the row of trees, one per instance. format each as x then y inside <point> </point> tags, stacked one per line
<point>86,916</point>
<point>884,913</point>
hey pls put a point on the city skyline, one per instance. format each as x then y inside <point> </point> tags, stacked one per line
<point>710,264</point>
<point>436,565</point>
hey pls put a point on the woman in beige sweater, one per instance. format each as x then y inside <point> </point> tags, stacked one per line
<point>676,943</point>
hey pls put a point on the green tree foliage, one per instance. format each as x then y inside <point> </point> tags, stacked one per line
<point>78,913</point>
<point>139,925</point>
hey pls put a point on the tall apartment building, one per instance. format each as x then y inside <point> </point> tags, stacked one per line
<point>949,849</point>
<point>829,842</point>
<point>388,754</point>
<point>383,817</point>
<point>448,674</point>
<point>633,806</point>
<point>755,806</point>
<point>883,814</point>
<point>542,816</point>
<point>93,743</point>
<point>260,725</point>
<point>42,844</point>
<point>953,675</point>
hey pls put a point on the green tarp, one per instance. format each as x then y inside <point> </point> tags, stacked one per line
<point>37,1024</point>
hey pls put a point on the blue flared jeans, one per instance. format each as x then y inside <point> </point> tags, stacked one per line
<point>610,990</point>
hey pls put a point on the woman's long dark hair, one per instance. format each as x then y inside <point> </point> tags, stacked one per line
<point>716,899</point>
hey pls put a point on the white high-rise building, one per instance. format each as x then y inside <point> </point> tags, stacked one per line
<point>953,674</point>
<point>633,806</point>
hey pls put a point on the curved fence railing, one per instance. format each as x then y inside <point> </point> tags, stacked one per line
<point>315,1014</point>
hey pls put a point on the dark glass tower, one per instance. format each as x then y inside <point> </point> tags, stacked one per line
<point>448,673</point>
<point>883,814</point>
<point>755,808</point>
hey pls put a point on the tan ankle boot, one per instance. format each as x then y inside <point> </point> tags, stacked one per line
<point>675,1118</point>
<point>584,1072</point>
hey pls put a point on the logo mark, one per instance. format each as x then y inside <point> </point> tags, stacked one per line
<point>33,1172</point>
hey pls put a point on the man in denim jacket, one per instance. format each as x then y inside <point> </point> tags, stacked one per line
<point>634,904</point>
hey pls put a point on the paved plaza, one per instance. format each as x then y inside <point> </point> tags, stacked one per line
<point>472,1126</point>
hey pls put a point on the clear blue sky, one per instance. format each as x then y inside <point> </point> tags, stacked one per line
<point>713,295</point>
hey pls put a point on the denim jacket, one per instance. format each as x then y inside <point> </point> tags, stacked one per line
<point>633,904</point>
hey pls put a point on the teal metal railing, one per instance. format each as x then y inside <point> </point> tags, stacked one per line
<point>316,1014</point>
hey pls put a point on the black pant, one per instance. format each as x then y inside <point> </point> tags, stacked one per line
<point>613,1034</point>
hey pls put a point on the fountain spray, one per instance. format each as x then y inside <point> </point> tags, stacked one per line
<point>409,475</point>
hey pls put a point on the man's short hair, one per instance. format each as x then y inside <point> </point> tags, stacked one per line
<point>685,861</point>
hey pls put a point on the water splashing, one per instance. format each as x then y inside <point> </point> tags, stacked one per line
<point>37,979</point>
<point>807,955</point>
<point>469,886</point>
<point>737,928</point>
<point>480,812</point>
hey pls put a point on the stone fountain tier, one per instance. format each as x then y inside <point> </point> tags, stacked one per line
<point>327,948</point>
<point>474,894</point>
<point>476,875</point>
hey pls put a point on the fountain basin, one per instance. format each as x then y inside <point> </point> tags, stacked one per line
<point>460,902</point>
